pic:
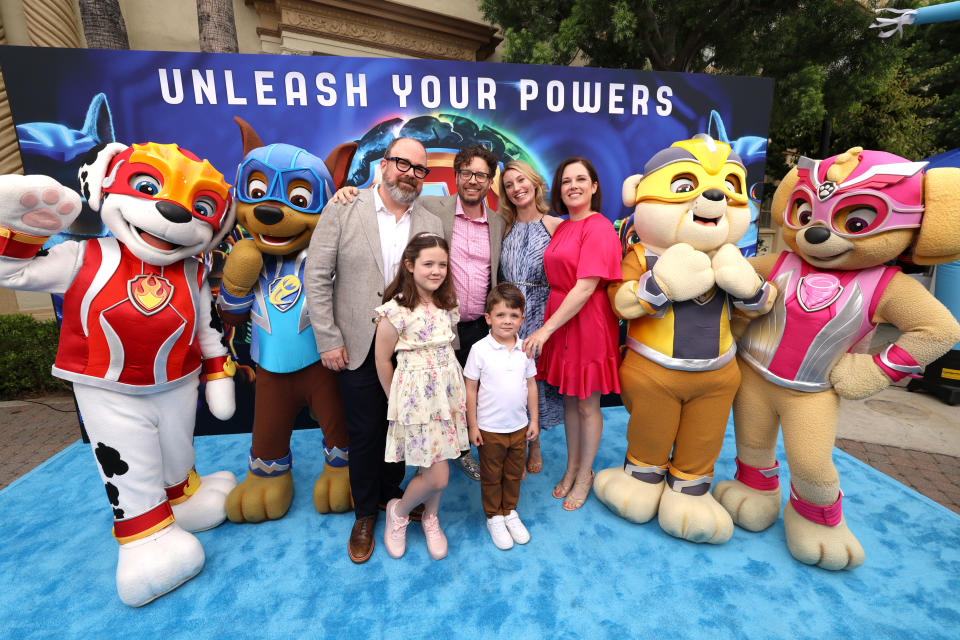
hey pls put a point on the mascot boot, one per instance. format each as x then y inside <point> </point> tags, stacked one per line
<point>137,333</point>
<point>281,192</point>
<point>844,219</point>
<point>682,275</point>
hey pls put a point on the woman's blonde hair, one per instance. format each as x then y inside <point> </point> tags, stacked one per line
<point>507,209</point>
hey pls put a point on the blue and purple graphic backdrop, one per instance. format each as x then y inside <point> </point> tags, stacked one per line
<point>542,114</point>
<point>66,101</point>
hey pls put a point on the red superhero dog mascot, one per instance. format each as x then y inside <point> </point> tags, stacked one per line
<point>137,332</point>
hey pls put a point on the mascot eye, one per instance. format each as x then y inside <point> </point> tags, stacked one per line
<point>683,184</point>
<point>205,206</point>
<point>145,183</point>
<point>256,189</point>
<point>301,197</point>
<point>802,213</point>
<point>857,220</point>
<point>633,238</point>
<point>733,183</point>
<point>755,189</point>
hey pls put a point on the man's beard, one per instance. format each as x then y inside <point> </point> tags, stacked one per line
<point>403,194</point>
<point>472,201</point>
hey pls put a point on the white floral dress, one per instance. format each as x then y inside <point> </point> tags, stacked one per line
<point>427,419</point>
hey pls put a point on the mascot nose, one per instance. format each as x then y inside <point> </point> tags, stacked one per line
<point>267,214</point>
<point>816,235</point>
<point>714,194</point>
<point>173,212</point>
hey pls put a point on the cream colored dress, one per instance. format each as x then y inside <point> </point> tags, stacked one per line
<point>427,406</point>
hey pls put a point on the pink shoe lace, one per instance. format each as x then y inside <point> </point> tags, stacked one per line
<point>436,540</point>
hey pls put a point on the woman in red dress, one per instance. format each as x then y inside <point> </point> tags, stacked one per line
<point>577,343</point>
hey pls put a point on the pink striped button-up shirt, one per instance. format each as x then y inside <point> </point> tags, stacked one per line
<point>470,262</point>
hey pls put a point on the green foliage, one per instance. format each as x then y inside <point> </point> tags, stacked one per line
<point>27,351</point>
<point>833,73</point>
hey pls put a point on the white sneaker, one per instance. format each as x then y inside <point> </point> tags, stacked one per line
<point>498,533</point>
<point>517,531</point>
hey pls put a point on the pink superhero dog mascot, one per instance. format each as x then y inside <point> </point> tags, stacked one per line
<point>137,330</point>
<point>843,218</point>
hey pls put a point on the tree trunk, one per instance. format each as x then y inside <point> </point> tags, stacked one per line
<point>103,24</point>
<point>218,31</point>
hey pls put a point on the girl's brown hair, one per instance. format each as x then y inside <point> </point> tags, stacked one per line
<point>556,200</point>
<point>404,289</point>
<point>507,209</point>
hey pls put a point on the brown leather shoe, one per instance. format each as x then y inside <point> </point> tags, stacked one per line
<point>416,515</point>
<point>360,547</point>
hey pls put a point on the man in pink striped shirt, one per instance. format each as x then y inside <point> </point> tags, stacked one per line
<point>474,232</point>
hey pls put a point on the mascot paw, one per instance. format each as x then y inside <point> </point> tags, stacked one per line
<point>205,508</point>
<point>856,376</point>
<point>832,548</point>
<point>221,398</point>
<point>625,301</point>
<point>242,268</point>
<point>733,273</point>
<point>683,273</point>
<point>694,518</point>
<point>629,498</point>
<point>161,562</point>
<point>37,205</point>
<point>257,499</point>
<point>331,492</point>
<point>750,509</point>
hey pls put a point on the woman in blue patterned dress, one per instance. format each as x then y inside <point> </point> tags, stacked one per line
<point>529,229</point>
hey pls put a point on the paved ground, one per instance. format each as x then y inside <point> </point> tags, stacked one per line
<point>31,432</point>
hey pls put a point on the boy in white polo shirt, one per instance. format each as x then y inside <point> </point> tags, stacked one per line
<point>502,412</point>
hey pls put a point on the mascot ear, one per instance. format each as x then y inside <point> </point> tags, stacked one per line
<point>338,162</point>
<point>248,136</point>
<point>93,173</point>
<point>629,192</point>
<point>782,195</point>
<point>939,238</point>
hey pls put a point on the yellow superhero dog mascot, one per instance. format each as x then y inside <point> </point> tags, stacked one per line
<point>681,275</point>
<point>843,219</point>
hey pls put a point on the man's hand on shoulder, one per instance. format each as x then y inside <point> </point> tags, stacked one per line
<point>345,195</point>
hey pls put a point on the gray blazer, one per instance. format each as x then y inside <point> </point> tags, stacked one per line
<point>343,275</point>
<point>445,208</point>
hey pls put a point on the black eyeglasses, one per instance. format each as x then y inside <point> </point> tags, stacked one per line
<point>404,165</point>
<point>466,175</point>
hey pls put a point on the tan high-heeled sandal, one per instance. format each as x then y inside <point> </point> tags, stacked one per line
<point>572,503</point>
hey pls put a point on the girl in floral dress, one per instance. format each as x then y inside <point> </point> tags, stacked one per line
<point>427,401</point>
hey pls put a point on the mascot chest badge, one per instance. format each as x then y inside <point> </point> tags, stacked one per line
<point>149,293</point>
<point>285,291</point>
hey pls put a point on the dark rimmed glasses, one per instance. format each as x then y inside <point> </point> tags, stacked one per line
<point>403,165</point>
<point>466,175</point>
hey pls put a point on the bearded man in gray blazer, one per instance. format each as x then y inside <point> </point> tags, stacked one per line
<point>474,233</point>
<point>355,252</point>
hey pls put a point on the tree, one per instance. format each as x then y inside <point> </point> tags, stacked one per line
<point>835,79</point>
<point>218,31</point>
<point>103,24</point>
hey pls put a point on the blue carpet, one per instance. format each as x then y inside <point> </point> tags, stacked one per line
<point>584,574</point>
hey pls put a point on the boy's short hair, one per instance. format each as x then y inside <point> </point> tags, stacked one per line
<point>506,293</point>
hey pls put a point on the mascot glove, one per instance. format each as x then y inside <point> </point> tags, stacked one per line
<point>242,268</point>
<point>625,301</point>
<point>734,274</point>
<point>221,398</point>
<point>33,208</point>
<point>856,376</point>
<point>683,273</point>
